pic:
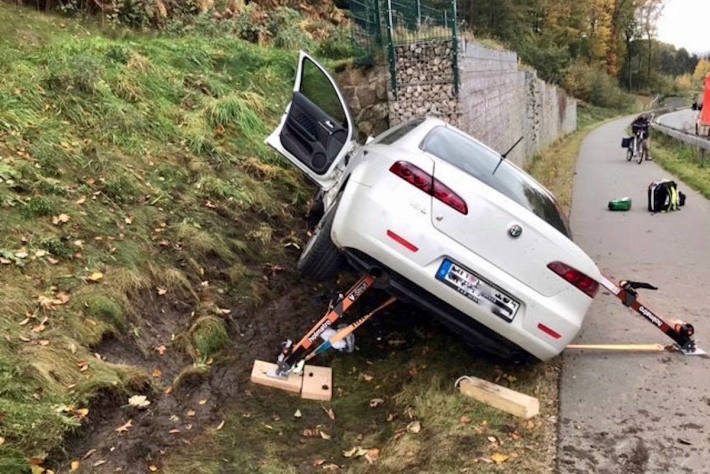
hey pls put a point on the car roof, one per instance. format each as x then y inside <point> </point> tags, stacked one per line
<point>412,140</point>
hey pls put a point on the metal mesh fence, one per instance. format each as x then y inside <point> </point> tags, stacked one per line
<point>379,25</point>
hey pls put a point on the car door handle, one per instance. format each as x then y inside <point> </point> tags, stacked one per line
<point>328,126</point>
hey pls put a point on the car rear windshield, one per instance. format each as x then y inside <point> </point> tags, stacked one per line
<point>479,162</point>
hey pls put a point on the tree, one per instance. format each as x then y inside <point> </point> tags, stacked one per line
<point>648,12</point>
<point>701,71</point>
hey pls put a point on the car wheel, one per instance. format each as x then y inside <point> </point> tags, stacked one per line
<point>321,259</point>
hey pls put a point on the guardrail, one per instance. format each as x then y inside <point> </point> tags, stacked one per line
<point>682,135</point>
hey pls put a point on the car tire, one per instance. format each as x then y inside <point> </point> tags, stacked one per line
<point>321,259</point>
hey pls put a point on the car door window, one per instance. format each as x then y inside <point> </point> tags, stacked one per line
<point>316,86</point>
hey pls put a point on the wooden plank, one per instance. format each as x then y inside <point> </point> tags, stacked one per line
<point>317,383</point>
<point>502,398</point>
<point>619,347</point>
<point>258,375</point>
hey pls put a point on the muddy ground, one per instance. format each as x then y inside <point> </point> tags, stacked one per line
<point>190,401</point>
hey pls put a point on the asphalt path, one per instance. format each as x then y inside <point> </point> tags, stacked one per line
<point>680,120</point>
<point>637,412</point>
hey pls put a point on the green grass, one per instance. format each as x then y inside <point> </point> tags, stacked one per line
<point>684,161</point>
<point>131,136</point>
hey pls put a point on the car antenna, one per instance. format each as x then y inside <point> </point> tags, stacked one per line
<point>504,155</point>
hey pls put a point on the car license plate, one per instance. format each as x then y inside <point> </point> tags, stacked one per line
<point>477,289</point>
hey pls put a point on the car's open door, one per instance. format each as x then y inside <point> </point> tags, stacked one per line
<point>316,132</point>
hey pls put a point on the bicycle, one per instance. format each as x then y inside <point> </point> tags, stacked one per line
<point>638,147</point>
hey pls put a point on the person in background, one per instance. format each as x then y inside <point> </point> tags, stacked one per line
<point>641,124</point>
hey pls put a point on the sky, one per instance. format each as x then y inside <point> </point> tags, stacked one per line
<point>686,24</point>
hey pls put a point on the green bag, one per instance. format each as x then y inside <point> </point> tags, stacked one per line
<point>622,204</point>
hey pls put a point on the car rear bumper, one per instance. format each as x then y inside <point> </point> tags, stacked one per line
<point>367,225</point>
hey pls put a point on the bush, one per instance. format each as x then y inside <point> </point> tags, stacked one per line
<point>592,84</point>
<point>338,45</point>
<point>249,25</point>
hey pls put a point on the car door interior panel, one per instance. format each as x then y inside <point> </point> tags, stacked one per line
<point>311,135</point>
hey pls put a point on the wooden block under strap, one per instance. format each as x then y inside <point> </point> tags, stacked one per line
<point>317,383</point>
<point>503,398</point>
<point>258,375</point>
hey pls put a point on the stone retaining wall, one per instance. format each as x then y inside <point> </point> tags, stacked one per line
<point>498,100</point>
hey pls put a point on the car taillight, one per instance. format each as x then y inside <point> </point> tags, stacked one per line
<point>578,279</point>
<point>430,185</point>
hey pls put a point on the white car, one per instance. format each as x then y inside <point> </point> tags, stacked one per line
<point>442,219</point>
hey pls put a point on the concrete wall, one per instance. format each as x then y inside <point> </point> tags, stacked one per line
<point>498,100</point>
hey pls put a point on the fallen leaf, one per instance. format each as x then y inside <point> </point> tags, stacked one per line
<point>310,433</point>
<point>43,342</point>
<point>372,455</point>
<point>72,348</point>
<point>139,401</point>
<point>324,435</point>
<point>365,377</point>
<point>318,461</point>
<point>40,253</point>
<point>152,468</point>
<point>202,402</point>
<point>499,458</point>
<point>156,373</point>
<point>24,321</point>
<point>161,349</point>
<point>60,219</point>
<point>39,328</point>
<point>329,412</point>
<point>124,427</point>
<point>5,261</point>
<point>81,200</point>
<point>95,277</point>
<point>414,427</point>
<point>74,465</point>
<point>375,402</point>
<point>297,413</point>
<point>220,426</point>
<point>190,413</point>
<point>89,453</point>
<point>355,452</point>
<point>492,439</point>
<point>350,452</point>
<point>52,261</point>
<point>162,291</point>
<point>331,467</point>
<point>465,420</point>
<point>99,463</point>
<point>82,412</point>
<point>128,220</point>
<point>174,431</point>
<point>2,440</point>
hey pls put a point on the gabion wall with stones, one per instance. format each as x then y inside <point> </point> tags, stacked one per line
<point>425,86</point>
<point>498,101</point>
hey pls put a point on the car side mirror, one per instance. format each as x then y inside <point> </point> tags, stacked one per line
<point>369,139</point>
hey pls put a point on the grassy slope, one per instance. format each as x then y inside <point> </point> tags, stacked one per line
<point>153,149</point>
<point>683,161</point>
